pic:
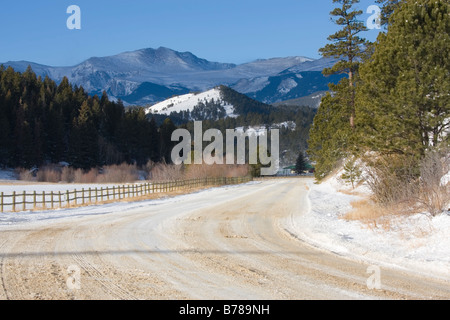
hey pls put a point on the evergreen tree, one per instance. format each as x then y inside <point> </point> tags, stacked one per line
<point>346,46</point>
<point>301,164</point>
<point>84,139</point>
<point>154,141</point>
<point>404,102</point>
<point>166,144</point>
<point>333,130</point>
<point>387,9</point>
<point>329,136</point>
<point>352,172</point>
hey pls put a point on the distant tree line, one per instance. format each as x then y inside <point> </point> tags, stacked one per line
<point>45,122</point>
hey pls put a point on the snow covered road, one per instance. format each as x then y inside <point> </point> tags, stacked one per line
<point>234,242</point>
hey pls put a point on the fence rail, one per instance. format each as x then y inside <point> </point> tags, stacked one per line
<point>23,201</point>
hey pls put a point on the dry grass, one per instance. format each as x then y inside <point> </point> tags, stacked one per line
<point>216,171</point>
<point>166,172</point>
<point>170,172</point>
<point>119,174</point>
<point>124,173</point>
<point>370,213</point>
<point>24,174</point>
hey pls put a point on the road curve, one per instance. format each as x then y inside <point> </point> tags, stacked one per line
<point>225,243</point>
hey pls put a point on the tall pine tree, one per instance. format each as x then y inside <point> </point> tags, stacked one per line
<point>334,125</point>
<point>346,46</point>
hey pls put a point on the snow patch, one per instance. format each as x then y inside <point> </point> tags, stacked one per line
<point>7,174</point>
<point>189,102</point>
<point>287,85</point>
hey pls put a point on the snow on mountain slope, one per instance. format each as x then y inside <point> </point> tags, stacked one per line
<point>123,75</point>
<point>190,101</point>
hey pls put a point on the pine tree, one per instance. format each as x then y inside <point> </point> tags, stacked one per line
<point>334,127</point>
<point>346,46</point>
<point>329,136</point>
<point>84,139</point>
<point>300,164</point>
<point>404,102</point>
<point>352,172</point>
<point>387,9</point>
<point>166,144</point>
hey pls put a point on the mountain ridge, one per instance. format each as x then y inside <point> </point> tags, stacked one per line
<point>133,75</point>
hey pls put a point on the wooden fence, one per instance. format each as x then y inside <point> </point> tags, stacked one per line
<point>16,202</point>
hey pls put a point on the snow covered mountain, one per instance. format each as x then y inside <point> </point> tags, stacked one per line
<point>189,102</point>
<point>148,76</point>
<point>217,103</point>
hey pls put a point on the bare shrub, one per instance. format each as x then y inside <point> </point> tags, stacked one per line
<point>434,193</point>
<point>393,179</point>
<point>403,182</point>
<point>166,172</point>
<point>25,174</point>
<point>122,173</point>
<point>234,171</point>
<point>68,175</point>
<point>50,173</point>
<point>81,176</point>
<point>216,171</point>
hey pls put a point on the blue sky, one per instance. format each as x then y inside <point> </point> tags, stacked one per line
<point>224,31</point>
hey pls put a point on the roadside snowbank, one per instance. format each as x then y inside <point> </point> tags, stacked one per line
<point>417,242</point>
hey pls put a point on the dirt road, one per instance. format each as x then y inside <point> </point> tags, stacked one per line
<point>227,243</point>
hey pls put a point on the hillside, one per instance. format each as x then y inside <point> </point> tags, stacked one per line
<point>217,103</point>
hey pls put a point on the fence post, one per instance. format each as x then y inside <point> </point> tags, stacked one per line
<point>67,198</point>
<point>1,203</point>
<point>51,199</point>
<point>43,199</point>
<point>14,201</point>
<point>24,204</point>
<point>59,199</point>
<point>34,200</point>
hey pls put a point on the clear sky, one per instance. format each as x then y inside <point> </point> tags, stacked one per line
<point>234,31</point>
